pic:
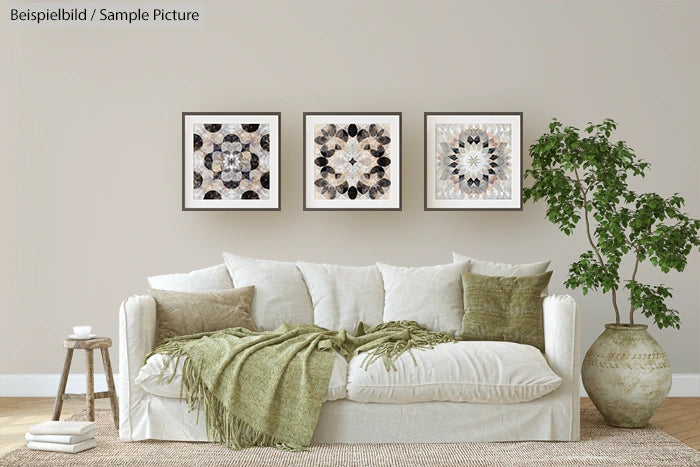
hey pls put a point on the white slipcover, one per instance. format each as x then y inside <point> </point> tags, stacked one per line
<point>554,416</point>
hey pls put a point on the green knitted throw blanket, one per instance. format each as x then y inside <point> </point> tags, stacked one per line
<point>266,388</point>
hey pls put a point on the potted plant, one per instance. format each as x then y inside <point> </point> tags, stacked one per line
<point>583,178</point>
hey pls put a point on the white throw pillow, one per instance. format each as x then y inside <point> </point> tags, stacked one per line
<point>212,279</point>
<point>487,268</point>
<point>431,296</point>
<point>343,296</point>
<point>468,371</point>
<point>171,380</point>
<point>280,292</point>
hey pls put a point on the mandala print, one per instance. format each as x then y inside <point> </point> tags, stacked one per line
<point>352,161</point>
<point>473,161</point>
<point>231,161</point>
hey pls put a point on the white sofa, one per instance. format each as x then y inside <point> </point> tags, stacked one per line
<point>554,416</point>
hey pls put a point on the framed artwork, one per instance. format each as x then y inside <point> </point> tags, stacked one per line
<point>352,161</point>
<point>230,161</point>
<point>473,161</point>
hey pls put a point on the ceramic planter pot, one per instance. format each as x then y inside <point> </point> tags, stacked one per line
<point>627,375</point>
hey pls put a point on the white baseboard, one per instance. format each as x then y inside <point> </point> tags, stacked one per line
<point>46,385</point>
<point>682,385</point>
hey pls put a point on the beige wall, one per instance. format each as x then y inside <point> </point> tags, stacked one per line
<point>91,142</point>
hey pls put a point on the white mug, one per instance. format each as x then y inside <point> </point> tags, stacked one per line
<point>82,331</point>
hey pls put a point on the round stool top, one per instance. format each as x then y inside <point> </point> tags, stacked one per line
<point>94,343</point>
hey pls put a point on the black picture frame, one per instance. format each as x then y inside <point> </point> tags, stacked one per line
<point>270,161</point>
<point>488,169</point>
<point>313,202</point>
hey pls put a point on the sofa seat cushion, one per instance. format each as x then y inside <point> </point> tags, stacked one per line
<point>473,371</point>
<point>169,385</point>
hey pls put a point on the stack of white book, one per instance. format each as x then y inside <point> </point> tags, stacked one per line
<point>62,436</point>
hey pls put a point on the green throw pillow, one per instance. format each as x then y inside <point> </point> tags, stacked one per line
<point>504,308</point>
<point>183,313</point>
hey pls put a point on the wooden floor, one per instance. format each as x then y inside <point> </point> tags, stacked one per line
<point>678,416</point>
<point>17,414</point>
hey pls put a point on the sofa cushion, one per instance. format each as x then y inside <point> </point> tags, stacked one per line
<point>182,313</point>
<point>430,295</point>
<point>202,280</point>
<point>343,296</point>
<point>169,385</point>
<point>280,291</point>
<point>481,372</point>
<point>504,308</point>
<point>488,268</point>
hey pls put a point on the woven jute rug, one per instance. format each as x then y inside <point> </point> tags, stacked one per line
<point>600,445</point>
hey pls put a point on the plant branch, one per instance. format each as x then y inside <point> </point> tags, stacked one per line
<point>593,245</point>
<point>634,275</point>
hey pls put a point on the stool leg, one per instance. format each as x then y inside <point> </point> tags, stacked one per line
<point>58,405</point>
<point>110,386</point>
<point>90,384</point>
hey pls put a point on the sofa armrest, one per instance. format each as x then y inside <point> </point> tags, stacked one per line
<point>561,336</point>
<point>562,348</point>
<point>137,336</point>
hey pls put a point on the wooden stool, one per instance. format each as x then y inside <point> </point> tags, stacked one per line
<point>102,343</point>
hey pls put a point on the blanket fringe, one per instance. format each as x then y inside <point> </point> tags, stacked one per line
<point>419,338</point>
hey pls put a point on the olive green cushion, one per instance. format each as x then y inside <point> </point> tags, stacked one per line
<point>504,308</point>
<point>183,313</point>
